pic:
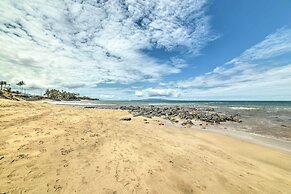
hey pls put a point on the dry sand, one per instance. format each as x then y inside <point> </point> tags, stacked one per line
<point>58,149</point>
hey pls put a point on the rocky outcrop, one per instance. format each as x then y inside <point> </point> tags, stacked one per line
<point>182,114</point>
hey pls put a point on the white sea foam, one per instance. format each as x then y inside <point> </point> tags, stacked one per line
<point>243,108</point>
<point>79,103</point>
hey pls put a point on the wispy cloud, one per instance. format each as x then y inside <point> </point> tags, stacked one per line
<point>247,76</point>
<point>274,45</point>
<point>158,92</point>
<point>82,43</point>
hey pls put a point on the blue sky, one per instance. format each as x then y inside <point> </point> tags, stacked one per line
<point>192,49</point>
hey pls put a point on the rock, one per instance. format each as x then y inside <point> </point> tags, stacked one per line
<point>125,119</point>
<point>236,118</point>
<point>137,114</point>
<point>187,122</point>
<point>210,109</point>
<point>181,113</point>
<point>123,107</point>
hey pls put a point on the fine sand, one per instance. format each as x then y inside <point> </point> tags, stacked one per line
<point>59,149</point>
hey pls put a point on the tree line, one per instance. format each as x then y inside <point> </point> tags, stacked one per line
<point>52,94</point>
<point>55,94</point>
<point>4,84</point>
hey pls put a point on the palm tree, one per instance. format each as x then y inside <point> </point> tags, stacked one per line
<point>21,84</point>
<point>8,90</point>
<point>3,83</point>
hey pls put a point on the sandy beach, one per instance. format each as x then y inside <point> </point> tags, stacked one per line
<point>47,148</point>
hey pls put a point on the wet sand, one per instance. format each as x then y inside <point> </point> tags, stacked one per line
<point>60,149</point>
<point>269,141</point>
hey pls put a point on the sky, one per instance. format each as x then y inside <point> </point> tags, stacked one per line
<point>140,49</point>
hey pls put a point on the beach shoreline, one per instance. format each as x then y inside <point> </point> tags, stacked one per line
<point>269,141</point>
<point>229,128</point>
<point>63,149</point>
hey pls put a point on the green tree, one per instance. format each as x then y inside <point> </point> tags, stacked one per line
<point>8,89</point>
<point>21,84</point>
<point>60,95</point>
<point>3,83</point>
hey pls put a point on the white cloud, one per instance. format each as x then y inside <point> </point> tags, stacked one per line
<point>139,93</point>
<point>246,76</point>
<point>158,92</point>
<point>274,45</point>
<point>272,84</point>
<point>82,43</point>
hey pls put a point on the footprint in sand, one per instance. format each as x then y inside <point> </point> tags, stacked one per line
<point>66,163</point>
<point>22,147</point>
<point>57,186</point>
<point>84,180</point>
<point>107,191</point>
<point>66,151</point>
<point>94,135</point>
<point>108,169</point>
<point>19,157</point>
<point>98,169</point>
<point>43,150</point>
<point>201,187</point>
<point>58,171</point>
<point>12,176</point>
<point>41,142</point>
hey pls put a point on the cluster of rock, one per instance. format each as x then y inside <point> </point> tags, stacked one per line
<point>180,114</point>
